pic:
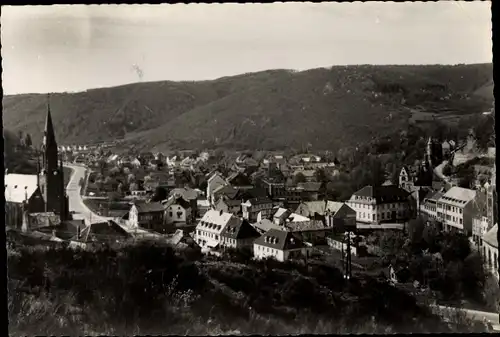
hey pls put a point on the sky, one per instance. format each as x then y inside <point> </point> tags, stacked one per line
<point>77,47</point>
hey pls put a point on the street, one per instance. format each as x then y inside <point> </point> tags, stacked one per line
<point>76,203</point>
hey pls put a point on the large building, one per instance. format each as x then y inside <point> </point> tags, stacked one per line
<point>380,204</point>
<point>456,209</point>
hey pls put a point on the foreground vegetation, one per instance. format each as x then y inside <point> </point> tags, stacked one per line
<point>151,289</point>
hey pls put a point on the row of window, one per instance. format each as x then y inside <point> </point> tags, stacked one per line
<point>383,216</point>
<point>372,207</point>
<point>149,217</point>
<point>454,219</point>
<point>267,250</point>
<point>450,208</point>
<point>207,234</point>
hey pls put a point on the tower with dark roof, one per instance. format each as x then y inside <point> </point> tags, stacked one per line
<point>51,176</point>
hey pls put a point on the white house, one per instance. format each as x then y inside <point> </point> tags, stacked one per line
<point>456,208</point>
<point>281,245</point>
<point>208,230</point>
<point>380,204</point>
<point>490,250</point>
<point>213,183</point>
<point>177,211</point>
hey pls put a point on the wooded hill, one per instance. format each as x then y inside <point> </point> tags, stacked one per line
<point>272,110</point>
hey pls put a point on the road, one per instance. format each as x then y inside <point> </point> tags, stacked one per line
<point>81,210</point>
<point>76,203</point>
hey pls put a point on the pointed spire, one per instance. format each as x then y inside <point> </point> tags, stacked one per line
<point>49,138</point>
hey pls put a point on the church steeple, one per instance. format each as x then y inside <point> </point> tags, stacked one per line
<point>49,138</point>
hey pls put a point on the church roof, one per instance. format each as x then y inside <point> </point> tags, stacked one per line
<point>49,138</point>
<point>18,187</point>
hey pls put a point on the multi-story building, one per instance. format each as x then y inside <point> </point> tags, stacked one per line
<point>208,231</point>
<point>147,215</point>
<point>380,204</point>
<point>429,206</point>
<point>252,207</point>
<point>490,250</point>
<point>456,209</point>
<point>281,245</point>
<point>239,234</point>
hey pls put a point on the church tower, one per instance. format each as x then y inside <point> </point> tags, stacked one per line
<point>51,176</point>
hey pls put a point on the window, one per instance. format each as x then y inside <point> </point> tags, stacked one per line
<point>170,214</point>
<point>460,210</point>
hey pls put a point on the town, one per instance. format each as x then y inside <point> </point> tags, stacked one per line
<point>270,206</point>
<point>257,169</point>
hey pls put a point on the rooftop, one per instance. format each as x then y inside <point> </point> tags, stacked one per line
<point>279,239</point>
<point>491,236</point>
<point>458,195</point>
<point>18,187</point>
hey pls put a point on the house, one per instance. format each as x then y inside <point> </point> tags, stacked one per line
<point>309,175</point>
<point>238,234</point>
<point>265,224</point>
<point>490,250</point>
<point>429,205</point>
<point>275,188</point>
<point>228,206</point>
<point>376,204</point>
<point>252,207</point>
<point>178,211</point>
<point>214,182</point>
<point>310,191</point>
<point>456,209</point>
<point>202,205</point>
<point>147,215</point>
<point>280,215</point>
<point>104,232</point>
<point>340,216</point>
<point>208,230</point>
<point>280,245</point>
<point>21,192</point>
<point>480,227</point>
<point>190,195</point>
<point>318,209</point>
<point>312,231</point>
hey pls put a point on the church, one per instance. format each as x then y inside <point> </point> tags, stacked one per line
<point>41,193</point>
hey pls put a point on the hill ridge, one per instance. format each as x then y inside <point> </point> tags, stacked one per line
<point>328,108</point>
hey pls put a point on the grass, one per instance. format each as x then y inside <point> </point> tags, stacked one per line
<point>248,111</point>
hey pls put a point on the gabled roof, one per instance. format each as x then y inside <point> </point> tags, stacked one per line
<point>217,218</point>
<point>240,229</point>
<point>18,187</point>
<point>149,207</point>
<point>265,224</point>
<point>226,190</point>
<point>175,200</point>
<point>279,239</point>
<point>187,193</point>
<point>282,213</point>
<point>458,196</point>
<point>258,201</point>
<point>310,186</point>
<point>302,226</point>
<point>343,211</point>
<point>382,194</point>
<point>491,236</point>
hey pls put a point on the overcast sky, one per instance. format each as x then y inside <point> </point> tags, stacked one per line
<point>77,47</point>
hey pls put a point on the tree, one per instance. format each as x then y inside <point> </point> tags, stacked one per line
<point>299,178</point>
<point>160,194</point>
